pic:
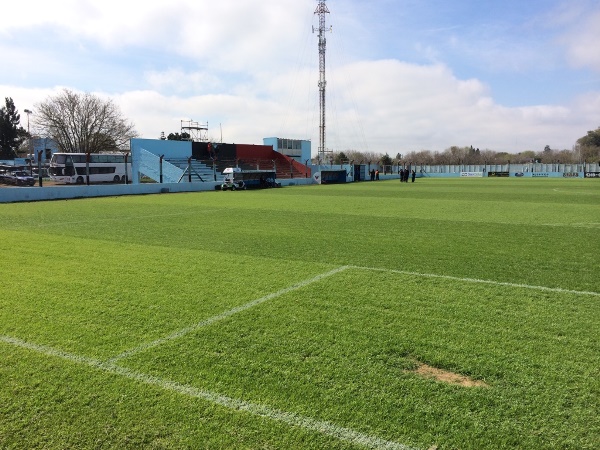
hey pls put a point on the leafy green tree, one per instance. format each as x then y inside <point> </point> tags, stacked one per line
<point>386,160</point>
<point>178,137</point>
<point>589,146</point>
<point>11,133</point>
<point>592,138</point>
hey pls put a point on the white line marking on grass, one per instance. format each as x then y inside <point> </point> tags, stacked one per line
<point>475,280</point>
<point>112,219</point>
<point>572,225</point>
<point>289,418</point>
<point>224,315</point>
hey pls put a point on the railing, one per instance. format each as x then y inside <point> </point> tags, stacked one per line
<point>512,167</point>
<point>283,167</point>
<point>178,170</point>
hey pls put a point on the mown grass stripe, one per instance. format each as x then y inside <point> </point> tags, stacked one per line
<point>289,418</point>
<point>224,315</point>
<point>475,280</point>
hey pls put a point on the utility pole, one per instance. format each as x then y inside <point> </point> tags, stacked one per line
<point>322,11</point>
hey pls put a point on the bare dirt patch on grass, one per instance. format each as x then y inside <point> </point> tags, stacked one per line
<point>445,376</point>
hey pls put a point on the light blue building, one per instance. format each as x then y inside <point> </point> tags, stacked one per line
<point>45,145</point>
<point>297,149</point>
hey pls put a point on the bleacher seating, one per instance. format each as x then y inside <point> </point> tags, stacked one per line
<point>284,166</point>
<point>199,170</point>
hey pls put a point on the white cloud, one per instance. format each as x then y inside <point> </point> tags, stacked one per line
<point>582,42</point>
<point>180,81</point>
<point>396,107</point>
<point>233,63</point>
<point>229,34</point>
<point>412,107</point>
<point>576,27</point>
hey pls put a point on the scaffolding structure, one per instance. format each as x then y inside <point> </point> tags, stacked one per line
<point>198,132</point>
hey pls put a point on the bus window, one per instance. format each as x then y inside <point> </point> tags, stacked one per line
<point>59,159</point>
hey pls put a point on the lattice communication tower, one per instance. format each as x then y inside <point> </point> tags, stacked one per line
<point>322,11</point>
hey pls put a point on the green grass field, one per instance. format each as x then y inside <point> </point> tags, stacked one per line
<point>298,317</point>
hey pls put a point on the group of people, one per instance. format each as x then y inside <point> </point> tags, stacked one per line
<point>405,174</point>
<point>374,174</point>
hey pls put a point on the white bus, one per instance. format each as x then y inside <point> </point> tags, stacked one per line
<point>103,167</point>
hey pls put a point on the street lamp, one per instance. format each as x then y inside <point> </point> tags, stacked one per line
<point>28,111</point>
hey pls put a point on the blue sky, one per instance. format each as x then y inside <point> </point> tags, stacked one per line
<point>402,75</point>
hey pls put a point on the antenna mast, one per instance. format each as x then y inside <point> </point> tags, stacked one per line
<point>322,11</point>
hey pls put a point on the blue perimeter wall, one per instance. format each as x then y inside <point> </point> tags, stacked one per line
<point>28,194</point>
<point>512,175</point>
<point>36,193</point>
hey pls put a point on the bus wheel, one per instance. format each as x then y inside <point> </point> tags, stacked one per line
<point>79,180</point>
<point>117,178</point>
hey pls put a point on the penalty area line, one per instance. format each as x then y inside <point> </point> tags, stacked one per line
<point>295,420</point>
<point>224,315</point>
<point>475,280</point>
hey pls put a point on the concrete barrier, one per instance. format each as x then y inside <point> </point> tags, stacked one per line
<point>32,194</point>
<point>36,193</point>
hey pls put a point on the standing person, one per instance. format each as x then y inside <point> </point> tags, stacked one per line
<point>377,174</point>
<point>401,173</point>
<point>413,176</point>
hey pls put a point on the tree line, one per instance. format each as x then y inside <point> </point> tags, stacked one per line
<point>83,122</point>
<point>586,150</point>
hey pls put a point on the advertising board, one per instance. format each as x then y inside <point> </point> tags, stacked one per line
<point>471,174</point>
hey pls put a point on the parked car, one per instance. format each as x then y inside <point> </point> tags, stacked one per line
<point>22,178</point>
<point>5,177</point>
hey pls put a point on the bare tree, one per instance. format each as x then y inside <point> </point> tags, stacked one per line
<point>420,157</point>
<point>84,123</point>
<point>587,149</point>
